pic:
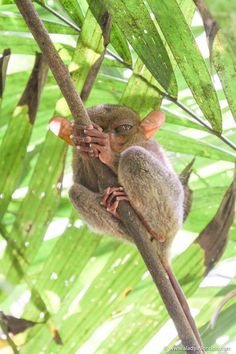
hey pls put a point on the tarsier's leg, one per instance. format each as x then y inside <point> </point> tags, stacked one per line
<point>154,191</point>
<point>157,195</point>
<point>89,206</point>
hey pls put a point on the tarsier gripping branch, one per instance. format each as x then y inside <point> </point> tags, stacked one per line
<point>139,171</point>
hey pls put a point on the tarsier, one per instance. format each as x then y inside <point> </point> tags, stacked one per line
<point>139,173</point>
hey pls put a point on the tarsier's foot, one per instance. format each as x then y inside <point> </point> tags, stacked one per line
<point>111,199</point>
<point>153,234</point>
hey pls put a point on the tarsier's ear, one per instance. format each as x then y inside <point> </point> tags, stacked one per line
<point>151,123</point>
<point>62,128</point>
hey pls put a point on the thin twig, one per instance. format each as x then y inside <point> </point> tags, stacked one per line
<point>117,58</point>
<point>56,14</point>
<point>201,121</point>
<point>187,110</point>
<point>78,29</point>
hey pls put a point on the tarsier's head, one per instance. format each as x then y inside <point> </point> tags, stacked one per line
<point>121,123</point>
<point>124,125</point>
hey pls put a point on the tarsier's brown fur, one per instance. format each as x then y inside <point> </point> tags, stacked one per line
<point>142,168</point>
<point>124,148</point>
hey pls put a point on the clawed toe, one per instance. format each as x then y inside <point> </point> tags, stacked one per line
<point>111,198</point>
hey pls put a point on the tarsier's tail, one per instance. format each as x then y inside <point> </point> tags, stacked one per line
<point>182,300</point>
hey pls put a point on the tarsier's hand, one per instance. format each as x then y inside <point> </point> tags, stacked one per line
<point>94,142</point>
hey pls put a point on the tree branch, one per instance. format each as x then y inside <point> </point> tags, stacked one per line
<point>55,63</point>
<point>128,215</point>
<point>150,255</point>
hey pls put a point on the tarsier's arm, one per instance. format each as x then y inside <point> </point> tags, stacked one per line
<point>87,190</point>
<point>149,183</point>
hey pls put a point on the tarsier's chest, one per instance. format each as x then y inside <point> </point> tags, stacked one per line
<point>96,176</point>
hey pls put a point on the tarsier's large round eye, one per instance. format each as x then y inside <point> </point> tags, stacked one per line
<point>123,128</point>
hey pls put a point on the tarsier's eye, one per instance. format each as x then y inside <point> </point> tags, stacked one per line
<point>123,128</point>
